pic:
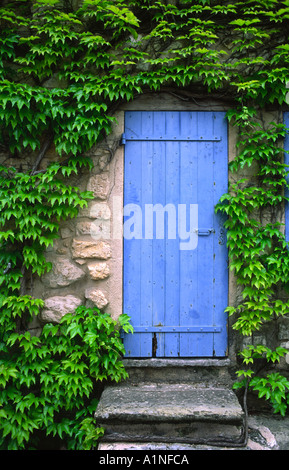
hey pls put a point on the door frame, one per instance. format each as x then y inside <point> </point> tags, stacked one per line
<point>114,283</point>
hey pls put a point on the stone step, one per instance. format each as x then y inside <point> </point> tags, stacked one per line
<point>206,371</point>
<point>170,413</point>
<point>158,446</point>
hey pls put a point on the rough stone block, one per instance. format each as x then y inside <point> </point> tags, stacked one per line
<point>65,232</point>
<point>100,210</point>
<point>63,273</point>
<point>90,249</point>
<point>97,297</point>
<point>56,307</point>
<point>283,333</point>
<point>98,270</point>
<point>99,185</point>
<point>99,229</point>
<point>96,210</point>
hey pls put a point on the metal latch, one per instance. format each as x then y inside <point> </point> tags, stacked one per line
<point>204,232</point>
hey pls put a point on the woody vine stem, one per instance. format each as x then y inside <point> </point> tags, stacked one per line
<point>65,65</point>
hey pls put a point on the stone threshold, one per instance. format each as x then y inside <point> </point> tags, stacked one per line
<point>170,413</point>
<point>176,362</point>
<point>182,401</point>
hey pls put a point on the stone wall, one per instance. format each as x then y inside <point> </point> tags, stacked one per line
<point>87,257</point>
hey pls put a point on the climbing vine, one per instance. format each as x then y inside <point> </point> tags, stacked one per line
<point>65,66</point>
<point>259,255</point>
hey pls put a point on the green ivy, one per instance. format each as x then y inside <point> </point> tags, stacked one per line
<point>258,251</point>
<point>31,207</point>
<point>65,66</point>
<point>48,384</point>
<point>274,386</point>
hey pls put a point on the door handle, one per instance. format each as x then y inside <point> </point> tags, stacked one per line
<point>204,232</point>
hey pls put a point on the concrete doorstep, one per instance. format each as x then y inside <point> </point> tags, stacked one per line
<point>168,416</point>
<point>183,405</point>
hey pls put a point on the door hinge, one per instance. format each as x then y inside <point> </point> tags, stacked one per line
<point>123,139</point>
<point>178,329</point>
<point>173,138</point>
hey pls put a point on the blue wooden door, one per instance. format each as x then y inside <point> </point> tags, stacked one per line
<point>175,256</point>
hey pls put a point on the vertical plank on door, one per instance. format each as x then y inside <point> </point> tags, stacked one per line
<point>220,291</point>
<point>189,266</point>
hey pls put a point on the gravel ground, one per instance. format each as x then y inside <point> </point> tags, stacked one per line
<point>268,432</point>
